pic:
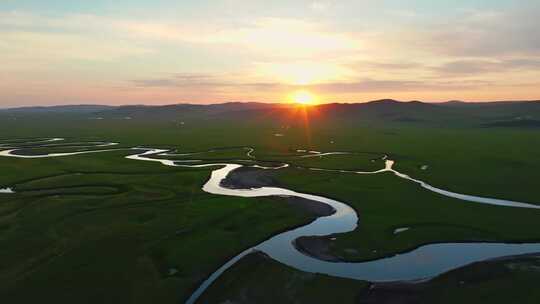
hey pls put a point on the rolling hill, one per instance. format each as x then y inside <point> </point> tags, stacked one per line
<point>525,114</point>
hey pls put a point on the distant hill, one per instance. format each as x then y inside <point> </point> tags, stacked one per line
<point>179,111</point>
<point>453,103</point>
<point>59,109</point>
<point>459,103</point>
<point>502,114</point>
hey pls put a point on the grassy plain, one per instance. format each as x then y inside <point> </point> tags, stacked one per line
<point>256,279</point>
<point>100,228</point>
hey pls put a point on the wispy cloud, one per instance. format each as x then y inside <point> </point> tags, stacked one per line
<point>479,66</point>
<point>321,5</point>
<point>483,33</point>
<point>184,80</point>
<point>359,86</point>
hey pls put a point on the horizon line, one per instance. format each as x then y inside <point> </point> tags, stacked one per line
<point>261,102</point>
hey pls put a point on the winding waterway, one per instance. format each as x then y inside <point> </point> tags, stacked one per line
<point>419,264</point>
<point>7,191</point>
<point>424,262</point>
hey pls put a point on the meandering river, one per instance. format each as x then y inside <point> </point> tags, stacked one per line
<point>422,263</point>
<point>419,264</point>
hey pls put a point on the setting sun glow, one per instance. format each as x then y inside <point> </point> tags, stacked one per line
<point>303,98</point>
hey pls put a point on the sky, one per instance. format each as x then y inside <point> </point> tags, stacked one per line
<point>162,52</point>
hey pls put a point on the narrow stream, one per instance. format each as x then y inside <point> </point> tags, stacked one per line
<point>7,191</point>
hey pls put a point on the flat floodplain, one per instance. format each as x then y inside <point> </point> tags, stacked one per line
<point>141,230</point>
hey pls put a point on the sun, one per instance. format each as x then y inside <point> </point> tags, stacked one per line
<point>303,98</point>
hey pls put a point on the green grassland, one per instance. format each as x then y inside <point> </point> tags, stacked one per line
<point>385,203</point>
<point>259,279</point>
<point>100,228</point>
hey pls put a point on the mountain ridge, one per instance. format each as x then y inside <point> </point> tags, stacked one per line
<point>386,102</point>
